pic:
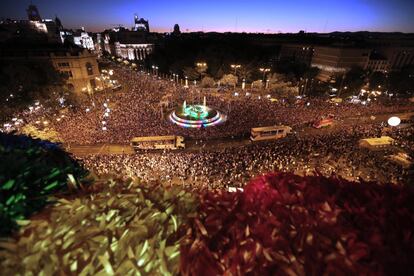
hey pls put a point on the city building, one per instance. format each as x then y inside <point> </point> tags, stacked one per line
<point>140,24</point>
<point>377,62</point>
<point>296,52</point>
<point>80,68</point>
<point>333,60</point>
<point>78,37</point>
<point>128,44</point>
<point>41,41</point>
<point>398,57</point>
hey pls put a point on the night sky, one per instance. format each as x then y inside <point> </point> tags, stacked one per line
<point>226,15</point>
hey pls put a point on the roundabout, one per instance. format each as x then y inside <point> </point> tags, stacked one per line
<point>196,116</point>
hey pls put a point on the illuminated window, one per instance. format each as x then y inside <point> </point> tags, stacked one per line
<point>67,74</point>
<point>89,68</point>
<point>63,64</point>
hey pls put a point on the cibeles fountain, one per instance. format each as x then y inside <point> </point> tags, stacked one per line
<point>196,115</point>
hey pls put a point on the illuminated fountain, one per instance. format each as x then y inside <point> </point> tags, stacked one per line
<point>196,116</point>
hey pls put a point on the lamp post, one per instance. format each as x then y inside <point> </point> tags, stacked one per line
<point>264,71</point>
<point>202,67</point>
<point>235,67</point>
<point>186,82</point>
<point>154,70</point>
<point>244,84</point>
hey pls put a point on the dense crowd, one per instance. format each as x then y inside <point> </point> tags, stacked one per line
<point>136,111</point>
<point>117,117</point>
<point>326,154</point>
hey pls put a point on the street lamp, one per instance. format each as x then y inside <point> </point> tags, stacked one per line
<point>235,67</point>
<point>202,67</point>
<point>201,64</point>
<point>264,71</point>
<point>154,70</point>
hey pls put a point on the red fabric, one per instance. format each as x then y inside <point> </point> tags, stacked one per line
<point>290,225</point>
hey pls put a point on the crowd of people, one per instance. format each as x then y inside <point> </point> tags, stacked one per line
<point>136,111</point>
<point>119,116</point>
<point>329,154</point>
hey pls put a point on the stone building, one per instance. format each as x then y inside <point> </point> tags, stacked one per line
<point>80,68</point>
<point>332,60</point>
<point>128,44</point>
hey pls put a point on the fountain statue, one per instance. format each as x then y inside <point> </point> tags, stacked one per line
<point>184,106</point>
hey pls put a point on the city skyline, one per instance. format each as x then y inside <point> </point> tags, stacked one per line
<point>262,16</point>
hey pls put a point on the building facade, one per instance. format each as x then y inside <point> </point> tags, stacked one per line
<point>338,60</point>
<point>128,44</point>
<point>80,69</point>
<point>297,52</point>
<point>377,62</point>
<point>398,57</point>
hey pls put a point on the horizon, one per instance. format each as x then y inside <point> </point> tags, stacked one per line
<point>261,17</point>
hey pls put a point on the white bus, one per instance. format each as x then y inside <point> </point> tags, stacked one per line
<point>269,133</point>
<point>158,142</point>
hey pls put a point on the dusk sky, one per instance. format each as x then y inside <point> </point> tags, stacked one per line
<point>226,15</point>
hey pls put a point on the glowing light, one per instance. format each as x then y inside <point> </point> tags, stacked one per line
<point>87,110</point>
<point>104,128</point>
<point>197,116</point>
<point>394,121</point>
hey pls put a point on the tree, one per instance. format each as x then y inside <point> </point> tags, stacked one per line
<point>229,80</point>
<point>191,73</point>
<point>27,81</point>
<point>354,79</point>
<point>207,82</point>
<point>402,82</point>
<point>246,70</point>
<point>376,79</point>
<point>257,84</point>
<point>311,72</point>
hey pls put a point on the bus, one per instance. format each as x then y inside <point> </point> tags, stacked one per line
<point>158,142</point>
<point>324,122</point>
<point>269,133</point>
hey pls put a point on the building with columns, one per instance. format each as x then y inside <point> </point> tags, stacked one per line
<point>132,44</point>
<point>132,51</point>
